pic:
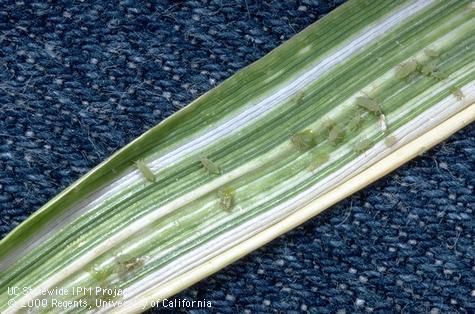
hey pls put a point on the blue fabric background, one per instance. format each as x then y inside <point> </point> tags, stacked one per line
<point>80,79</point>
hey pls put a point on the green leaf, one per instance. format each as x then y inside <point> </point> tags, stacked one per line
<point>335,99</point>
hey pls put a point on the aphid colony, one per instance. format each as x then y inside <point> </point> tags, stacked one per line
<point>335,133</point>
<point>307,139</point>
<point>428,68</point>
<point>225,194</point>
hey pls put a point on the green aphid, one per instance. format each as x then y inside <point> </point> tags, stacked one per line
<point>369,104</point>
<point>390,141</point>
<point>303,140</point>
<point>103,279</point>
<point>362,146</point>
<point>427,68</point>
<point>145,170</point>
<point>226,198</point>
<point>431,53</point>
<point>457,92</point>
<point>355,122</point>
<point>210,166</point>
<point>128,264</point>
<point>439,75</point>
<point>407,68</point>
<point>318,161</point>
<point>336,135</point>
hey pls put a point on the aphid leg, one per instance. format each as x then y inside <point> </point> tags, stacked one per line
<point>210,166</point>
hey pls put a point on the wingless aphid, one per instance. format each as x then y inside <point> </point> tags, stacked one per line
<point>336,135</point>
<point>439,75</point>
<point>427,68</point>
<point>355,122</point>
<point>457,92</point>
<point>303,140</point>
<point>369,104</point>
<point>128,264</point>
<point>431,53</point>
<point>362,146</point>
<point>405,69</point>
<point>226,198</point>
<point>210,166</point>
<point>145,170</point>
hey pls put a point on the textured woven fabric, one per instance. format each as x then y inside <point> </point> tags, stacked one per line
<point>80,79</point>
